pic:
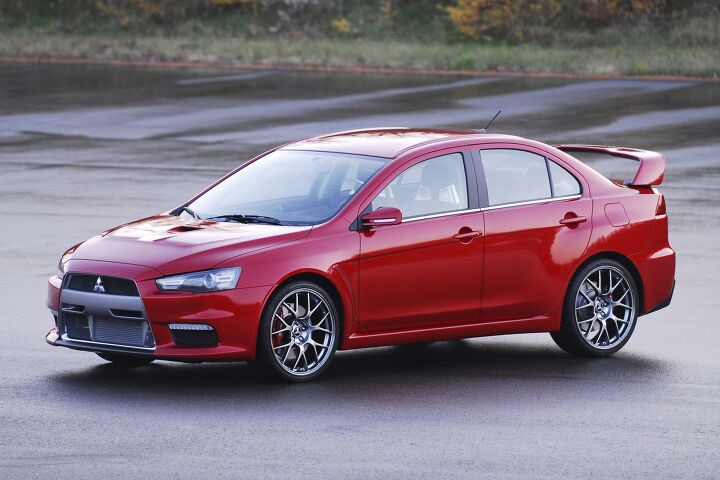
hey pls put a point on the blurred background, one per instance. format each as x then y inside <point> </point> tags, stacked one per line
<point>636,37</point>
<point>115,110</point>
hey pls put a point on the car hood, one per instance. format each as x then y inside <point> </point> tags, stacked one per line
<point>173,245</point>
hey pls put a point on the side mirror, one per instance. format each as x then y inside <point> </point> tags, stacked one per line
<point>381,217</point>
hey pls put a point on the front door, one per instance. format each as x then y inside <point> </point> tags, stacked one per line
<point>426,271</point>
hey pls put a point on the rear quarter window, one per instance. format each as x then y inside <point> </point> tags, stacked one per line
<point>563,183</point>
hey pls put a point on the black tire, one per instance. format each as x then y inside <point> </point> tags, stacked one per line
<point>268,363</point>
<point>125,361</point>
<point>571,337</point>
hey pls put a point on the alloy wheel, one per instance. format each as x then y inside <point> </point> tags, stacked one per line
<point>605,307</point>
<point>303,331</point>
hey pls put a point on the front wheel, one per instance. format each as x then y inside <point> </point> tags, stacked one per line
<point>298,334</point>
<point>600,310</point>
<point>127,361</point>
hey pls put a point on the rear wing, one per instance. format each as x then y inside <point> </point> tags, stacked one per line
<point>652,164</point>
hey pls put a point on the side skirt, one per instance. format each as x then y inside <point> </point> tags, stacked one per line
<point>538,324</point>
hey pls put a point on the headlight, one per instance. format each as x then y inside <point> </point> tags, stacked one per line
<point>64,259</point>
<point>206,281</point>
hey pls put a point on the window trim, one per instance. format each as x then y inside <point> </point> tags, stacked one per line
<point>495,207</point>
<point>550,177</point>
<point>533,202</point>
<point>443,214</point>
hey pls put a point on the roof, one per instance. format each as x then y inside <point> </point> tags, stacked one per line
<point>387,142</point>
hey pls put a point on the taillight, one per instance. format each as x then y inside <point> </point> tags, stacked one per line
<point>661,209</point>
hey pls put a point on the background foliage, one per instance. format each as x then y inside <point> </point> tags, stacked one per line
<point>514,21</point>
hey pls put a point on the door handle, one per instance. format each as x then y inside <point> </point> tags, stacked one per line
<point>572,221</point>
<point>467,235</point>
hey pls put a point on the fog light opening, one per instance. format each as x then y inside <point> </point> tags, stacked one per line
<point>193,335</point>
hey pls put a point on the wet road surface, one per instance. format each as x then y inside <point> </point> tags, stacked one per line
<point>84,148</point>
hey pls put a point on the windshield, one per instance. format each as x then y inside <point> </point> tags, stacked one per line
<point>294,187</point>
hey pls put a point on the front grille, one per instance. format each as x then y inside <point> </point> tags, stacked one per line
<point>122,332</point>
<point>103,318</point>
<point>117,331</point>
<point>110,285</point>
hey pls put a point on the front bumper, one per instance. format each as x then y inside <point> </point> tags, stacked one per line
<point>55,339</point>
<point>233,314</point>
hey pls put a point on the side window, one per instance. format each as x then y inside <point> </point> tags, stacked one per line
<point>563,183</point>
<point>514,176</point>
<point>433,186</point>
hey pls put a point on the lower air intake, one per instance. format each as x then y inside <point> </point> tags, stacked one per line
<point>120,332</point>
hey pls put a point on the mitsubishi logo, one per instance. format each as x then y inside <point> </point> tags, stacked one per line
<point>99,287</point>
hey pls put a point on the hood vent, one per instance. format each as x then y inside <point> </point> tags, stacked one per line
<point>183,229</point>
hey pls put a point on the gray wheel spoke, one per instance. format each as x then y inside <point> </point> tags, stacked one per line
<point>279,317</point>
<point>287,354</point>
<point>587,333</point>
<point>292,310</point>
<point>283,345</point>
<point>623,296</point>
<point>302,354</point>
<point>314,309</point>
<point>322,320</point>
<point>316,344</point>
<point>586,297</point>
<point>297,360</point>
<point>320,329</point>
<point>605,331</point>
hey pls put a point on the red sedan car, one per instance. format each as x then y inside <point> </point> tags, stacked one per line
<point>376,237</point>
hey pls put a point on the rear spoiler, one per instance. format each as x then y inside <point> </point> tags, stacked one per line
<point>652,164</point>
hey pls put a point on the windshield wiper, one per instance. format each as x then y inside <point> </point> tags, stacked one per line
<point>248,218</point>
<point>190,211</point>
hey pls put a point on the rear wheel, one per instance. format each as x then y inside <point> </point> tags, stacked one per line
<point>600,310</point>
<point>127,361</point>
<point>298,333</point>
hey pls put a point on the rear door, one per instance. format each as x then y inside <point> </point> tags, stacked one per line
<point>426,271</point>
<point>537,224</point>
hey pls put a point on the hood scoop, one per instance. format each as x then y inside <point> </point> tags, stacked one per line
<point>184,228</point>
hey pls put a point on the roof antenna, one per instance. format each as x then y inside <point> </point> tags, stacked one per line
<point>487,125</point>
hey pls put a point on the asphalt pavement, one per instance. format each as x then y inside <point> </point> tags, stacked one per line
<point>84,148</point>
